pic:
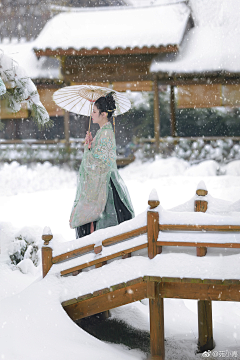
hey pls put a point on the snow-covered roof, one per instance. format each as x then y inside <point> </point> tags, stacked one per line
<point>23,54</point>
<point>124,27</point>
<point>212,45</point>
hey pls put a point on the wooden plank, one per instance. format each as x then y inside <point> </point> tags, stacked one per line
<point>102,259</point>
<point>170,227</point>
<point>132,85</point>
<point>199,96</point>
<point>107,301</point>
<point>231,95</point>
<point>157,325</point>
<point>152,278</point>
<point>198,244</point>
<point>73,253</point>
<point>134,281</point>
<point>101,292</point>
<point>69,302</point>
<point>200,291</point>
<point>115,239</point>
<point>117,286</point>
<point>153,230</point>
<point>205,328</point>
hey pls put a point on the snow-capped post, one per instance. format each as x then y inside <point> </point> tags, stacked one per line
<point>201,205</point>
<point>153,225</point>
<point>46,250</point>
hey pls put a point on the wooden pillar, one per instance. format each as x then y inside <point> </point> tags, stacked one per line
<point>66,128</point>
<point>46,254</point>
<point>152,228</point>
<point>172,112</point>
<point>156,116</point>
<point>201,206</point>
<point>205,331</point>
<point>156,325</point>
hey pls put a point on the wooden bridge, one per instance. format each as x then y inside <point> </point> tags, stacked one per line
<point>155,288</point>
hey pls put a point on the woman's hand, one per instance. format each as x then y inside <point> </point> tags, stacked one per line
<point>89,139</point>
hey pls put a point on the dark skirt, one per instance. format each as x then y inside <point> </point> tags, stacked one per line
<point>123,214</point>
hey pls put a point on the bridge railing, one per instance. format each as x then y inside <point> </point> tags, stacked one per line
<point>156,234</point>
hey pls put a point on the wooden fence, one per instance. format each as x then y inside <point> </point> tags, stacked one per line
<point>154,288</point>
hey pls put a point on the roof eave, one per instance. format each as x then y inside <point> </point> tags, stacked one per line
<point>205,77</point>
<point>107,51</point>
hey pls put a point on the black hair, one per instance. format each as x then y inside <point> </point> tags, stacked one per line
<point>106,104</point>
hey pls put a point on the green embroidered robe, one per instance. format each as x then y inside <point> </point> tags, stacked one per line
<point>94,198</point>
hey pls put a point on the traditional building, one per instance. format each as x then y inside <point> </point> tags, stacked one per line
<point>111,46</point>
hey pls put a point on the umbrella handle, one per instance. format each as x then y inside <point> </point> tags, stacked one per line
<point>90,119</point>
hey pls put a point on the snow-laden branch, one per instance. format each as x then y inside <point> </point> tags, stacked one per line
<point>18,88</point>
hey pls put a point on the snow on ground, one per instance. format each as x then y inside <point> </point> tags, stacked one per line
<point>31,198</point>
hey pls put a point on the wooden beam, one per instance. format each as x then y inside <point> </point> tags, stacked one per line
<point>207,290</point>
<point>172,111</point>
<point>156,312</point>
<point>68,255</point>
<point>205,329</point>
<point>133,233</point>
<point>199,244</point>
<point>156,115</point>
<point>104,258</point>
<point>170,227</point>
<point>106,51</point>
<point>110,300</point>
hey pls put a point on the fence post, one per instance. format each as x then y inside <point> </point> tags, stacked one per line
<point>46,251</point>
<point>153,225</point>
<point>201,206</point>
<point>205,330</point>
<point>156,312</point>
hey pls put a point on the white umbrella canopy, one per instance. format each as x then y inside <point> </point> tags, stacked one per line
<point>79,99</point>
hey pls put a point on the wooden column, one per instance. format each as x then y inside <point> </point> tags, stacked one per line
<point>172,111</point>
<point>201,206</point>
<point>156,115</point>
<point>205,330</point>
<point>152,229</point>
<point>156,325</point>
<point>66,128</point>
<point>46,254</point>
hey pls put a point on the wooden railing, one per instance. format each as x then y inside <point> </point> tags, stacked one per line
<point>153,243</point>
<point>153,287</point>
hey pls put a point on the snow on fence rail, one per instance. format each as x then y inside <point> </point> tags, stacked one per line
<point>152,230</point>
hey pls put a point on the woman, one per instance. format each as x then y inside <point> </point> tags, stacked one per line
<point>102,198</point>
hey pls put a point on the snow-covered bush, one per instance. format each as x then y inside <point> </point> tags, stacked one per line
<point>22,248</point>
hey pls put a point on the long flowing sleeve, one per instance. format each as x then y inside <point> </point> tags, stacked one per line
<point>94,174</point>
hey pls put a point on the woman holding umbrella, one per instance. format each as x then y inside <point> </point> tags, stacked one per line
<point>102,198</point>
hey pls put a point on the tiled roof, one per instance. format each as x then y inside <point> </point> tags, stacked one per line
<point>113,28</point>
